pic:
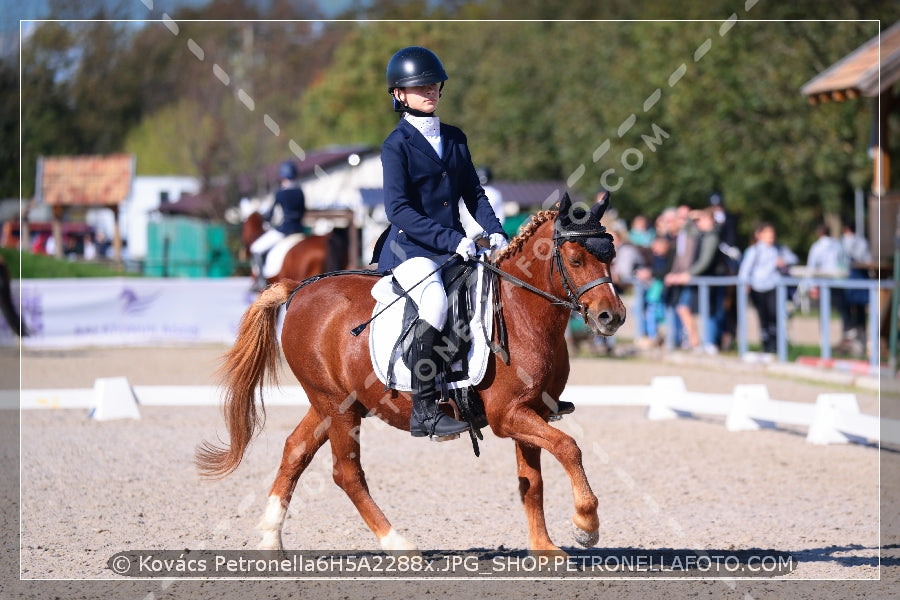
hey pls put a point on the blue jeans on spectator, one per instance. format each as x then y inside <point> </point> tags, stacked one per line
<point>715,323</point>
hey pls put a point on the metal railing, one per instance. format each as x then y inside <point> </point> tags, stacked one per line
<point>825,285</point>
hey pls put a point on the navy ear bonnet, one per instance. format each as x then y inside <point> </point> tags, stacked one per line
<point>577,224</point>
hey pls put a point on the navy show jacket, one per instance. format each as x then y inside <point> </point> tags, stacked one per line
<point>293,207</point>
<point>422,192</point>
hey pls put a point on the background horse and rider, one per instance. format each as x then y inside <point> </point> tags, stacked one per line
<point>560,262</point>
<point>311,255</point>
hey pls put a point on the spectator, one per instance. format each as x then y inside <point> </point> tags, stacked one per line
<point>42,244</point>
<point>730,261</point>
<point>726,222</point>
<point>103,244</point>
<point>762,266</point>
<point>72,247</point>
<point>856,248</point>
<point>679,296</point>
<point>826,259</point>
<point>826,255</point>
<point>628,259</point>
<point>857,258</point>
<point>90,249</point>
<point>651,275</point>
<point>640,234</point>
<point>664,224</point>
<point>705,261</point>
<point>728,264</point>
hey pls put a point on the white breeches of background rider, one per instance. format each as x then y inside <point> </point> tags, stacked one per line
<point>429,295</point>
<point>266,241</point>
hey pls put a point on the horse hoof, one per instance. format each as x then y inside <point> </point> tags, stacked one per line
<point>271,541</point>
<point>548,551</point>
<point>586,539</point>
<point>394,542</point>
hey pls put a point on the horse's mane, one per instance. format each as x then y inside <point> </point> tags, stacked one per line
<point>525,232</point>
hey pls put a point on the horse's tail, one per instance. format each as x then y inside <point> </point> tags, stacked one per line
<point>249,365</point>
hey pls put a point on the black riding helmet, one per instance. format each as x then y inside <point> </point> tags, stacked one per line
<point>413,66</point>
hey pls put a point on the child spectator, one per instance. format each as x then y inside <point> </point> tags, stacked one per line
<point>640,233</point>
<point>762,266</point>
<point>651,275</point>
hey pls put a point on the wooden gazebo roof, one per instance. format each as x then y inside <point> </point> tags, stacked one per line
<point>867,71</point>
<point>85,180</point>
<point>64,181</point>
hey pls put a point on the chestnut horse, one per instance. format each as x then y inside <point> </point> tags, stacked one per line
<point>306,258</point>
<point>552,267</point>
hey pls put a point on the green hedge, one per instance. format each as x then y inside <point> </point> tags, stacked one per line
<point>39,266</point>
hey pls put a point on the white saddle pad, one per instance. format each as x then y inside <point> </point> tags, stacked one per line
<point>384,330</point>
<point>275,257</point>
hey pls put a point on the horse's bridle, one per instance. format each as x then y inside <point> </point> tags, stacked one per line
<point>560,236</point>
<point>573,296</point>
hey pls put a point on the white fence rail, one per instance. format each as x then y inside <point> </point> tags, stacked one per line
<point>833,419</point>
<point>825,285</point>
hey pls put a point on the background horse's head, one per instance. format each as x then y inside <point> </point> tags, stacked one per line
<point>251,229</point>
<point>586,252</point>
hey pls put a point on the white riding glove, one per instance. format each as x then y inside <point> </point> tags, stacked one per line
<point>467,249</point>
<point>498,242</point>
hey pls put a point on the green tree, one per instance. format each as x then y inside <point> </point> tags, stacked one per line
<point>9,130</point>
<point>76,97</point>
<point>238,81</point>
<point>738,123</point>
<point>47,114</point>
<point>348,103</point>
<point>537,99</point>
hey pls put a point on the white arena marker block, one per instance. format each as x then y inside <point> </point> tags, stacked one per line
<point>664,391</point>
<point>748,399</point>
<point>890,431</point>
<point>113,399</point>
<point>825,428</point>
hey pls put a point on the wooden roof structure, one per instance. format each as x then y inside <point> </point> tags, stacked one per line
<point>209,204</point>
<point>868,71</point>
<point>85,180</point>
<point>871,71</point>
<point>92,180</point>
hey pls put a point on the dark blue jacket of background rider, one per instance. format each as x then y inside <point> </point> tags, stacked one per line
<point>421,195</point>
<point>293,207</point>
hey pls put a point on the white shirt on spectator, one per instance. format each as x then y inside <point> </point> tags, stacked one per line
<point>826,257</point>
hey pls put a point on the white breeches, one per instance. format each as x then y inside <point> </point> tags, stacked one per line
<point>266,241</point>
<point>429,295</point>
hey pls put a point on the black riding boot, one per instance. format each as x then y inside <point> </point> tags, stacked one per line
<point>259,280</point>
<point>427,419</point>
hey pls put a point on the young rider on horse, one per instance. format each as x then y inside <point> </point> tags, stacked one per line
<point>291,204</point>
<point>427,168</point>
